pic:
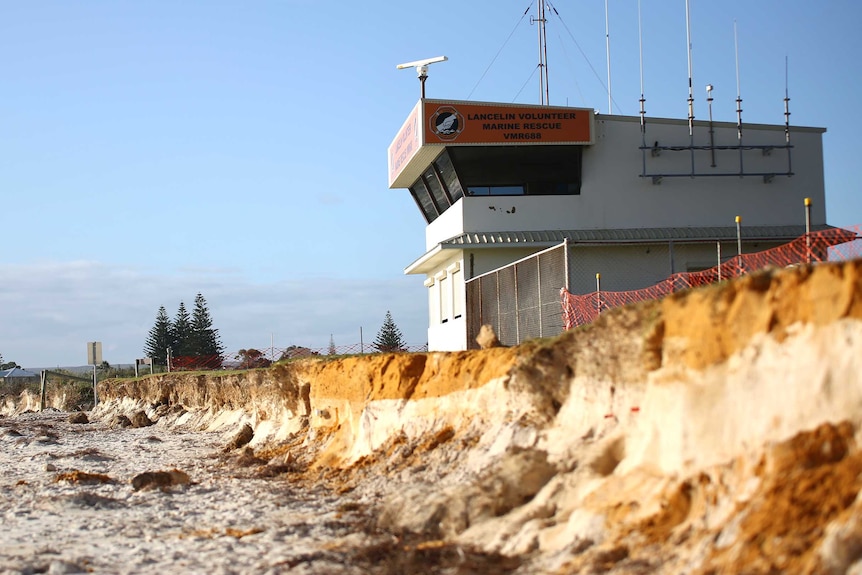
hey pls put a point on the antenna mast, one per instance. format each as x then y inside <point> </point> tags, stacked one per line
<point>543,55</point>
<point>786,103</point>
<point>738,96</point>
<point>641,54</point>
<point>787,115</point>
<point>690,94</point>
<point>608,48</point>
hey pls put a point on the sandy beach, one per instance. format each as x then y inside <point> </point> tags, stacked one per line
<point>68,505</point>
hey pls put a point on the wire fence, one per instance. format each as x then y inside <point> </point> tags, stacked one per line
<point>252,358</point>
<point>835,244</point>
<point>520,300</point>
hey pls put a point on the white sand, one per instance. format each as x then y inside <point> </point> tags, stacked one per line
<point>219,523</point>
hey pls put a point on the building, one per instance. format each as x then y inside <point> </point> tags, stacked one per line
<point>18,377</point>
<point>635,199</point>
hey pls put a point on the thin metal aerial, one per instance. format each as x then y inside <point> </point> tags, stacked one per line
<point>690,92</point>
<point>608,49</point>
<point>786,103</point>
<point>787,117</point>
<point>543,55</point>
<point>497,55</point>
<point>642,100</point>
<point>738,96</point>
<point>583,54</point>
<point>765,149</point>
<point>641,57</point>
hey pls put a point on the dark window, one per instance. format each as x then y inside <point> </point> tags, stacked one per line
<point>449,177</point>
<point>495,191</point>
<point>496,171</point>
<point>436,189</point>
<point>537,170</point>
<point>423,200</point>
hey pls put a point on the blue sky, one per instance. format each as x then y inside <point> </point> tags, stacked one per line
<point>153,150</point>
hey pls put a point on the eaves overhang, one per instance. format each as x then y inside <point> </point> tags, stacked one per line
<point>431,260</point>
<point>545,238</point>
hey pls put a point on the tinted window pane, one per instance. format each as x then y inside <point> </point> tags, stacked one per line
<point>495,190</point>
<point>436,190</point>
<point>420,194</point>
<point>449,177</point>
<point>539,169</point>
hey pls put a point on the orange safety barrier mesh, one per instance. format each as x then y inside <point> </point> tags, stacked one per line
<point>836,244</point>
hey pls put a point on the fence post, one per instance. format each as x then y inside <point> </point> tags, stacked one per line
<point>539,295</point>
<point>499,327</point>
<point>718,251</point>
<point>739,244</point>
<point>517,307</point>
<point>95,393</point>
<point>566,261</point>
<point>598,293</point>
<point>43,391</point>
<point>808,229</point>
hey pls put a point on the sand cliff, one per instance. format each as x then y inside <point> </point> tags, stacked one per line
<point>715,431</point>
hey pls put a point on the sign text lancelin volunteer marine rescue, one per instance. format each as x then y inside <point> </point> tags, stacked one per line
<point>528,121</point>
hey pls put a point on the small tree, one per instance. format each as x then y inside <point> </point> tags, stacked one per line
<point>9,365</point>
<point>251,358</point>
<point>205,340</point>
<point>182,333</point>
<point>159,338</point>
<point>389,337</point>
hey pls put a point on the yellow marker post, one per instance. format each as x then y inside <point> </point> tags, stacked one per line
<point>808,229</point>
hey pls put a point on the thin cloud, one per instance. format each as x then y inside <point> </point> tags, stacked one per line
<point>52,310</point>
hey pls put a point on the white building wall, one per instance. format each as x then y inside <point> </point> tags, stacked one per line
<point>615,196</point>
<point>447,327</point>
<point>633,267</point>
<point>448,225</point>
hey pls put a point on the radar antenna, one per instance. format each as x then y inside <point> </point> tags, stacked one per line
<point>422,69</point>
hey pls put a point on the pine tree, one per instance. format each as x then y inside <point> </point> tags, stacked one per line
<point>159,338</point>
<point>181,334</point>
<point>205,340</point>
<point>389,337</point>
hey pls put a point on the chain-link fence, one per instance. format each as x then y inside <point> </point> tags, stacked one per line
<point>521,300</point>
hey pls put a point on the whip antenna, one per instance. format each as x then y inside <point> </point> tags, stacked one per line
<point>608,49</point>
<point>738,96</point>
<point>786,105</point>
<point>641,54</point>
<point>690,94</point>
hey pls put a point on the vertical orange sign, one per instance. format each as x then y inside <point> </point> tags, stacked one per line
<point>406,144</point>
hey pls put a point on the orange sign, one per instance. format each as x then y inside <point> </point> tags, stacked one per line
<point>405,145</point>
<point>453,123</point>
